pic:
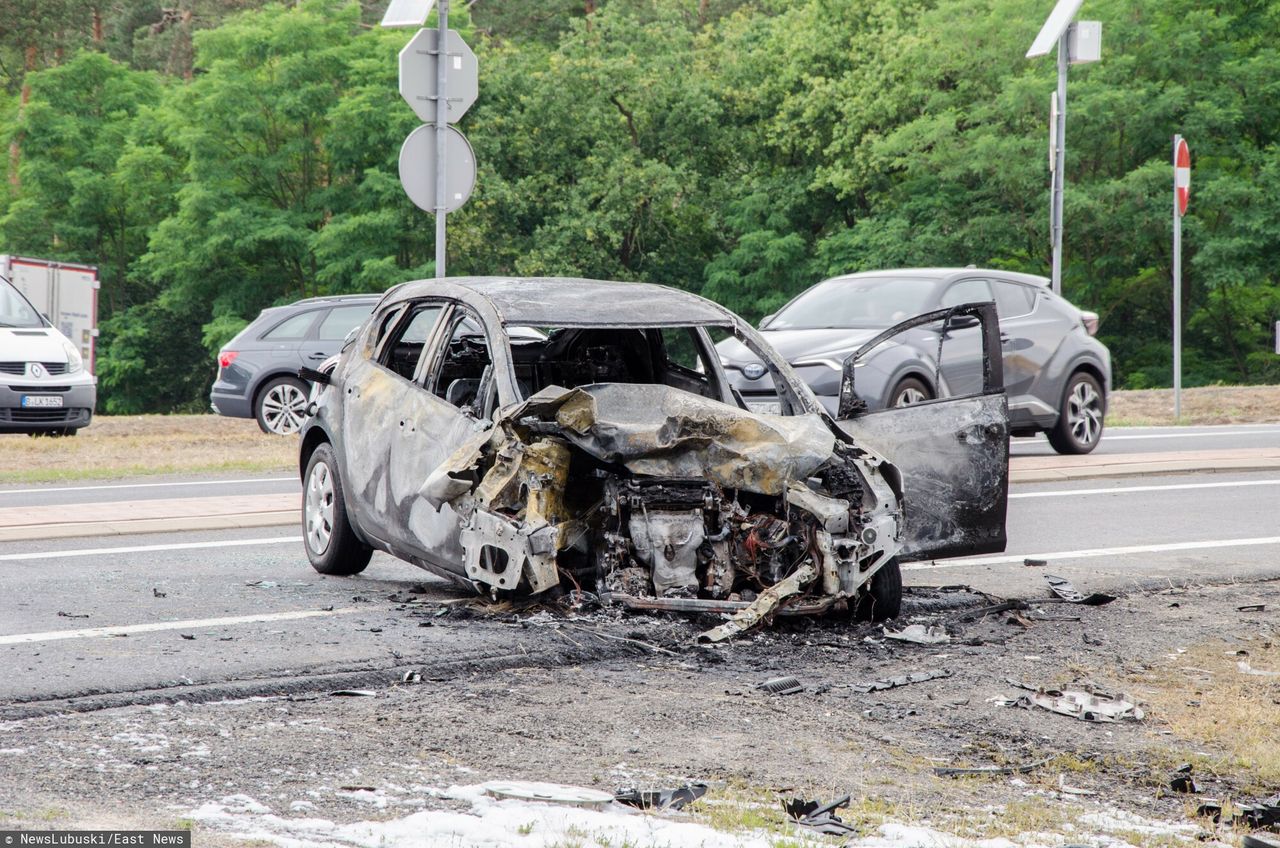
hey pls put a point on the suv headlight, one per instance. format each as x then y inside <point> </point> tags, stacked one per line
<point>74,360</point>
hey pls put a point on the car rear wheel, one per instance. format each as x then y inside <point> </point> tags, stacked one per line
<point>909,392</point>
<point>282,406</point>
<point>1079,426</point>
<point>332,545</point>
<point>882,599</point>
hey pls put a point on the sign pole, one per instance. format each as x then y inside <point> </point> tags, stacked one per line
<point>1060,160</point>
<point>442,126</point>
<point>1177,287</point>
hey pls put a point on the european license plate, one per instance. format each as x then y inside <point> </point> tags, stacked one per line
<point>766,408</point>
<point>30,401</point>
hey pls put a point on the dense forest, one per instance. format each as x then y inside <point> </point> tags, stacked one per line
<point>220,156</point>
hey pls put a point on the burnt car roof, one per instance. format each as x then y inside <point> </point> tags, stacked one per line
<point>566,301</point>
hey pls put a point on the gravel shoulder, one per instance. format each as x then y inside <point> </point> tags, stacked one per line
<point>657,717</point>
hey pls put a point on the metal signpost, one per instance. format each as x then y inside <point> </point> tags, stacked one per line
<point>1181,195</point>
<point>1077,43</point>
<point>439,79</point>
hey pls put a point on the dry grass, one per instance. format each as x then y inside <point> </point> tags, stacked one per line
<point>1204,697</point>
<point>1204,405</point>
<point>131,445</point>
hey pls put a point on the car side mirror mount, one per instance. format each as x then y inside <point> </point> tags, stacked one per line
<point>960,322</point>
<point>764,322</point>
<point>311,375</point>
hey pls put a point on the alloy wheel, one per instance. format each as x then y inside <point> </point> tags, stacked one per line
<point>318,508</point>
<point>284,408</point>
<point>1084,413</point>
<point>910,396</point>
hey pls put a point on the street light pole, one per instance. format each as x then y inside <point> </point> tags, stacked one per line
<point>1059,160</point>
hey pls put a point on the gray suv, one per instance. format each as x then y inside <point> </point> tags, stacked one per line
<point>1057,376</point>
<point>258,369</point>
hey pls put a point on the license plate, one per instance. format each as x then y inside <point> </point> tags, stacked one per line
<point>30,401</point>
<point>766,407</point>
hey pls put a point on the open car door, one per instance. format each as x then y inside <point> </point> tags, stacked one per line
<point>952,453</point>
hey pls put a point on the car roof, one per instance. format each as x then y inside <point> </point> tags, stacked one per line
<point>565,301</point>
<point>335,298</point>
<point>942,273</point>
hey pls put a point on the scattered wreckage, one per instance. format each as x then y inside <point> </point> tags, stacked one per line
<point>542,435</point>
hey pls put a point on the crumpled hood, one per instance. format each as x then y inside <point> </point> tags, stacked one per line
<point>34,345</point>
<point>662,431</point>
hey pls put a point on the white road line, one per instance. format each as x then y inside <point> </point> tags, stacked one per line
<point>190,624</point>
<point>1062,493</point>
<point>1109,437</point>
<point>138,549</point>
<point>1098,552</point>
<point>40,489</point>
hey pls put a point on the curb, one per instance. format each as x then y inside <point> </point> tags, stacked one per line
<point>1141,469</point>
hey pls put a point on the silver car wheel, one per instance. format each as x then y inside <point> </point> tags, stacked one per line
<point>284,408</point>
<point>910,396</point>
<point>1084,413</point>
<point>318,508</point>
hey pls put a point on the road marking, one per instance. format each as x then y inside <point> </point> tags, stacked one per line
<point>1062,493</point>
<point>190,624</point>
<point>138,549</point>
<point>40,489</point>
<point>1113,438</point>
<point>1099,552</point>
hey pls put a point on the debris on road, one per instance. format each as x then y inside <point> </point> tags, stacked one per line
<point>819,817</point>
<point>1072,790</point>
<point>781,686</point>
<point>661,799</point>
<point>919,634</point>
<point>1035,562</point>
<point>190,637</point>
<point>966,771</point>
<point>354,693</point>
<point>62,614</point>
<point>1078,703</point>
<point>1252,608</point>
<point>900,680</point>
<point>411,677</point>
<point>550,793</point>
<point>156,593</point>
<point>1063,588</point>
<point>1244,668</point>
<point>1183,782</point>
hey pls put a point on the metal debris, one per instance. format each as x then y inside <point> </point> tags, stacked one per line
<point>919,634</point>
<point>1035,562</point>
<point>1255,840</point>
<point>964,771</point>
<point>354,693</point>
<point>1252,608</point>
<point>551,793</point>
<point>1063,588</point>
<point>781,686</point>
<point>661,799</point>
<point>819,817</point>
<point>1077,703</point>
<point>900,680</point>
<point>411,677</point>
<point>1183,782</point>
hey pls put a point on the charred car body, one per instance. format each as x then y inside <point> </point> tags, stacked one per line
<point>535,435</point>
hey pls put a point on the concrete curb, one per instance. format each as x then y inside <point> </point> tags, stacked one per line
<point>173,524</point>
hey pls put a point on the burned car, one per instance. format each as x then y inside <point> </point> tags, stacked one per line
<point>543,435</point>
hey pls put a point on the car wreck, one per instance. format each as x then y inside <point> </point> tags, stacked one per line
<point>532,436</point>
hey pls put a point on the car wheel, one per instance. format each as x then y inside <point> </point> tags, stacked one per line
<point>1079,425</point>
<point>882,599</point>
<point>332,545</point>
<point>909,392</point>
<point>282,406</point>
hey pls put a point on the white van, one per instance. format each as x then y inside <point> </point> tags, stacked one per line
<point>45,387</point>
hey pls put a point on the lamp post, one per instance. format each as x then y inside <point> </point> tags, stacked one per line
<point>1077,44</point>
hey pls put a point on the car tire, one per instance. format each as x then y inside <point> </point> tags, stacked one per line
<point>281,406</point>
<point>331,542</point>
<point>908,392</point>
<point>882,599</point>
<point>1080,416</point>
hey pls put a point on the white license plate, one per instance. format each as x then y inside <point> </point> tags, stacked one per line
<point>766,407</point>
<point>29,401</point>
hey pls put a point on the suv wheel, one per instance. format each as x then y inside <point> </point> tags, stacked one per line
<point>332,545</point>
<point>882,598</point>
<point>909,392</point>
<point>1079,425</point>
<point>282,406</point>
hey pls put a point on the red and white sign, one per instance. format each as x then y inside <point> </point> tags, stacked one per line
<point>1182,174</point>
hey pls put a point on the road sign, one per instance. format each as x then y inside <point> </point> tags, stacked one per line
<point>418,75</point>
<point>1182,174</point>
<point>418,168</point>
<point>407,13</point>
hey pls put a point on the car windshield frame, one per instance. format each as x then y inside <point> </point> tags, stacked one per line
<point>925,293</point>
<point>12,298</point>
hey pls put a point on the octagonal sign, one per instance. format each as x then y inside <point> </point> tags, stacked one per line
<point>418,75</point>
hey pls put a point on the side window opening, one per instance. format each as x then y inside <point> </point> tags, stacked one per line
<point>463,373</point>
<point>292,329</point>
<point>967,291</point>
<point>339,321</point>
<point>403,349</point>
<point>1013,300</point>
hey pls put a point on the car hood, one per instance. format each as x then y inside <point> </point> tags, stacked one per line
<point>799,345</point>
<point>31,345</point>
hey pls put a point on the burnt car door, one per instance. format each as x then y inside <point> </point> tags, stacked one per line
<point>952,453</point>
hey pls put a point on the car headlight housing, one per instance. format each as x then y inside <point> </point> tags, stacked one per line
<point>75,362</point>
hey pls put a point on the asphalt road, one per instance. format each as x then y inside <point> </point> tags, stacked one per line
<point>101,615</point>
